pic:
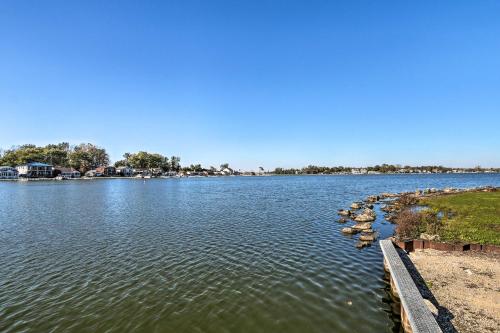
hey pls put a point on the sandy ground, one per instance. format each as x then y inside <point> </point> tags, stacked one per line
<point>465,286</point>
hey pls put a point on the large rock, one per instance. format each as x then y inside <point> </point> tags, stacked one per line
<point>344,212</point>
<point>362,226</point>
<point>368,211</point>
<point>362,244</point>
<point>367,238</point>
<point>372,198</point>
<point>356,205</point>
<point>350,230</point>
<point>364,218</point>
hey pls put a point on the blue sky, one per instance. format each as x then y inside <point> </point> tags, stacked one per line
<point>256,83</point>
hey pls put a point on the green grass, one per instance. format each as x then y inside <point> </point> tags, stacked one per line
<point>472,217</point>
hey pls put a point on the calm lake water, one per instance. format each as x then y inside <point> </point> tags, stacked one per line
<point>234,254</point>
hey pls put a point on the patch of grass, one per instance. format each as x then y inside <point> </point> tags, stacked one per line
<point>428,284</point>
<point>472,217</point>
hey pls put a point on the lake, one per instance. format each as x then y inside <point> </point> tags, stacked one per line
<point>233,254</point>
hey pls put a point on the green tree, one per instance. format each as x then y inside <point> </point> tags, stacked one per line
<point>175,163</point>
<point>87,156</point>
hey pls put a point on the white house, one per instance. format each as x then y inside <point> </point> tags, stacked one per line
<point>124,171</point>
<point>7,172</point>
<point>93,173</point>
<point>227,171</point>
<point>35,170</point>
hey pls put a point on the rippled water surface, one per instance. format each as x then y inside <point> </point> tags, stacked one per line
<point>235,254</point>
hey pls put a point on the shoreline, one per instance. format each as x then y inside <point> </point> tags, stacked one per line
<point>263,175</point>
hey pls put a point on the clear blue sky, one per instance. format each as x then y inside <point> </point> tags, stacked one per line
<point>271,83</point>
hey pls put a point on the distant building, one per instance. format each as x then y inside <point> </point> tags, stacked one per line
<point>35,170</point>
<point>66,173</point>
<point>227,171</point>
<point>124,171</point>
<point>359,171</point>
<point>156,172</point>
<point>7,172</point>
<point>93,173</point>
<point>106,171</point>
<point>141,172</point>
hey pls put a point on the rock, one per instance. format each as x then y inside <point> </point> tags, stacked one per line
<point>388,195</point>
<point>432,308</point>
<point>362,244</point>
<point>391,218</point>
<point>368,215</point>
<point>372,198</point>
<point>389,208</point>
<point>430,237</point>
<point>368,211</point>
<point>342,220</point>
<point>356,205</point>
<point>350,230</point>
<point>368,231</point>
<point>369,206</point>
<point>344,212</point>
<point>364,218</point>
<point>362,226</point>
<point>367,238</point>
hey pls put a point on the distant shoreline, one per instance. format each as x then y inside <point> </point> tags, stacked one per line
<point>263,175</point>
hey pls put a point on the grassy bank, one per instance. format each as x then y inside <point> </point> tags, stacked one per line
<point>472,217</point>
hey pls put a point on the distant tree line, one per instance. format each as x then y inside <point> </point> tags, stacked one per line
<point>209,170</point>
<point>384,168</point>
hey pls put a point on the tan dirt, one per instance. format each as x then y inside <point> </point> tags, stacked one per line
<point>464,284</point>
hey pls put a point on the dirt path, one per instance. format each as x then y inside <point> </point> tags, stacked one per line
<point>465,284</point>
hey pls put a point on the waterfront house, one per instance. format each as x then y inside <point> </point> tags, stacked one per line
<point>156,172</point>
<point>66,173</point>
<point>227,171</point>
<point>142,172</point>
<point>359,171</point>
<point>93,173</point>
<point>106,171</point>
<point>35,170</point>
<point>124,171</point>
<point>7,172</point>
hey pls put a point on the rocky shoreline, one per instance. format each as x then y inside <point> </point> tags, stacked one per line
<point>363,214</point>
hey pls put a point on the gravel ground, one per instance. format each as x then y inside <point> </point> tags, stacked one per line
<point>464,286</point>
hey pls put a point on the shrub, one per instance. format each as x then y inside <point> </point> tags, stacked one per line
<point>408,224</point>
<point>431,222</point>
